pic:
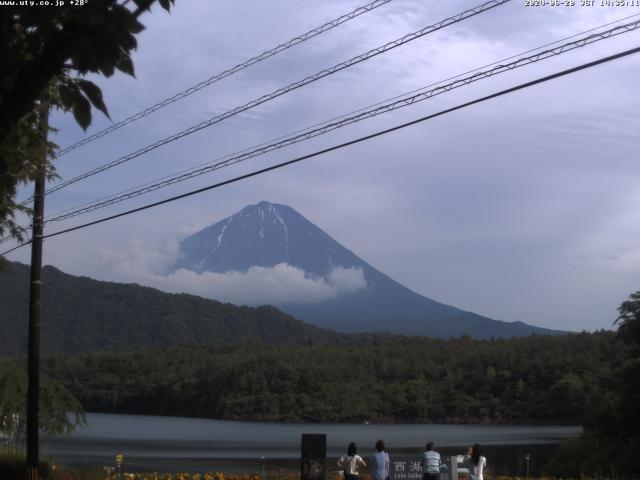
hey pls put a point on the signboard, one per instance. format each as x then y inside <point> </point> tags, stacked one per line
<point>119,459</point>
<point>410,468</point>
<point>406,469</point>
<point>314,455</point>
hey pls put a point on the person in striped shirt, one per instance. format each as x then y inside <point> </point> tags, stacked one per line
<point>430,463</point>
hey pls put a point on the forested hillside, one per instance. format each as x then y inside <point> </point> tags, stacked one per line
<point>610,443</point>
<point>538,379</point>
<point>80,314</point>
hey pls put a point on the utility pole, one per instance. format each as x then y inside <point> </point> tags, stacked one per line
<point>33,389</point>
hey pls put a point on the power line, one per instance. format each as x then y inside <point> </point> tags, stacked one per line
<point>290,134</point>
<point>193,169</point>
<point>346,144</point>
<point>226,73</point>
<point>381,109</point>
<point>15,248</point>
<point>300,83</point>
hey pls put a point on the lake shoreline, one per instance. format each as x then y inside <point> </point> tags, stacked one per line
<point>377,421</point>
<point>156,443</point>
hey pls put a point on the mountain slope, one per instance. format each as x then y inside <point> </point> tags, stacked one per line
<point>80,314</point>
<point>268,234</point>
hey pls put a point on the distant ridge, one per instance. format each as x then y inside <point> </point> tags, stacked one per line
<point>267,234</point>
<point>80,314</point>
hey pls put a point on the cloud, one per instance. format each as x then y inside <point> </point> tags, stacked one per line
<point>281,283</point>
<point>137,260</point>
<point>187,230</point>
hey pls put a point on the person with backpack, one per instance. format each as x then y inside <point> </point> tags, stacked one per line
<point>380,463</point>
<point>351,462</point>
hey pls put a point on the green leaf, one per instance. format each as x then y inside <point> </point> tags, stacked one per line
<point>144,4</point>
<point>123,18</point>
<point>68,94</point>
<point>82,112</point>
<point>125,64</point>
<point>94,94</point>
<point>166,4</point>
<point>105,65</point>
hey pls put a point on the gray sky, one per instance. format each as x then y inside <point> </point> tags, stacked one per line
<point>522,208</point>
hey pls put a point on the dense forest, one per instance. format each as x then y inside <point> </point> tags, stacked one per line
<point>610,444</point>
<point>538,379</point>
<point>82,315</point>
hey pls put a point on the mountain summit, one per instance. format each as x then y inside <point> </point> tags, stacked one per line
<point>264,235</point>
<point>268,234</point>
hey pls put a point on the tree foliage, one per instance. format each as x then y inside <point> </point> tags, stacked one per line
<point>42,50</point>
<point>627,374</point>
<point>629,323</point>
<point>610,443</point>
<point>60,412</point>
<point>24,152</point>
<point>537,379</point>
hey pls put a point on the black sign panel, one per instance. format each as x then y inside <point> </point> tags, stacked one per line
<point>314,455</point>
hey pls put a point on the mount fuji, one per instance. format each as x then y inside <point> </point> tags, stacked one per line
<point>268,235</point>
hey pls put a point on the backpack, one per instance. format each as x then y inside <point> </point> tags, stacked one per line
<point>347,467</point>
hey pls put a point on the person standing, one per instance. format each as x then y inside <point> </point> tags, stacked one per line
<point>430,463</point>
<point>380,463</point>
<point>476,462</point>
<point>351,462</point>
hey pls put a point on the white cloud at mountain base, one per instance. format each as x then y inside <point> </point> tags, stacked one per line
<point>282,283</point>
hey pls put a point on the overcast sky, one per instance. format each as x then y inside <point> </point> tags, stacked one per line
<point>522,208</point>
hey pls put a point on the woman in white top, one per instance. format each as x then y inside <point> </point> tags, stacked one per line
<point>476,462</point>
<point>351,462</point>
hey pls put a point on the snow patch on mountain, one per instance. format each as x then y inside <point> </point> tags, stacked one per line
<point>274,210</point>
<point>221,236</point>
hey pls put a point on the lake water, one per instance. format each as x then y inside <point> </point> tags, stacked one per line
<point>152,443</point>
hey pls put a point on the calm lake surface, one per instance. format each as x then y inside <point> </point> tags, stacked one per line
<point>152,443</point>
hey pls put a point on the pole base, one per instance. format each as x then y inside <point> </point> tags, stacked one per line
<point>32,473</point>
